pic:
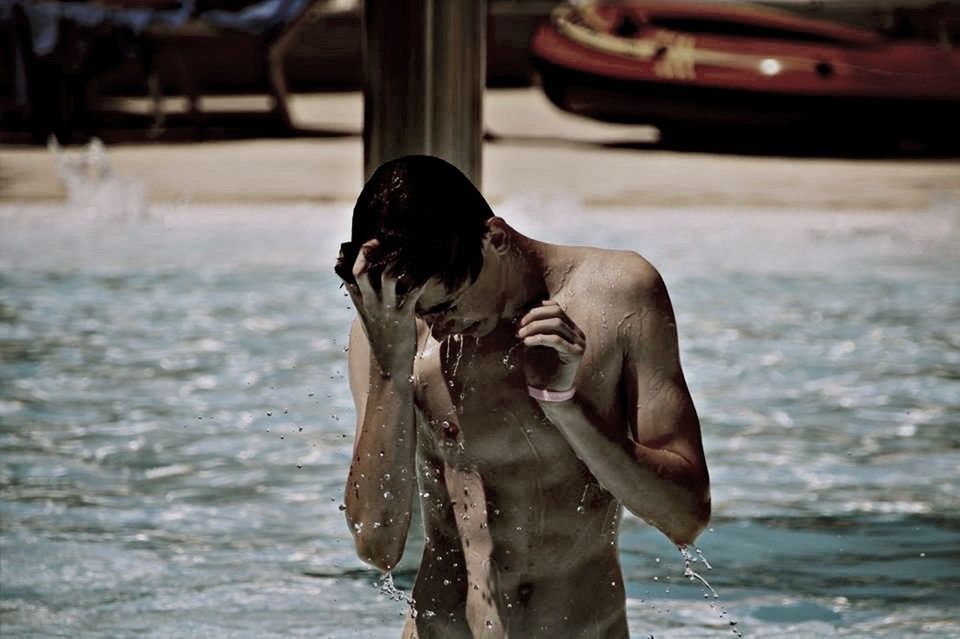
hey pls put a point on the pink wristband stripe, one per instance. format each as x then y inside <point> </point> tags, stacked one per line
<point>545,395</point>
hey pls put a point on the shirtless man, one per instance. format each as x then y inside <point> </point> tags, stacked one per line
<point>524,393</point>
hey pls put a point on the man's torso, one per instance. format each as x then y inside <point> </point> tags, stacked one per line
<point>520,538</point>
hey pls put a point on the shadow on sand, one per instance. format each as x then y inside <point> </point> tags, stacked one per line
<point>123,127</point>
<point>133,128</point>
<point>762,143</point>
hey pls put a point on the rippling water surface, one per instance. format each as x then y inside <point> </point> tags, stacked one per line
<point>175,425</point>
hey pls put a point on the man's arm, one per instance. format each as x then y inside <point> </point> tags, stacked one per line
<point>658,470</point>
<point>382,478</point>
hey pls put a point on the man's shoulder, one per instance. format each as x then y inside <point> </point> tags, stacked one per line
<point>623,275</point>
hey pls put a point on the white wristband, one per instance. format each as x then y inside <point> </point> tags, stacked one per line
<point>545,395</point>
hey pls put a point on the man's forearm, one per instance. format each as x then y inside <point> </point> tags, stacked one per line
<point>655,484</point>
<point>382,478</point>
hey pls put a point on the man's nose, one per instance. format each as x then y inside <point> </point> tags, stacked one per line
<point>443,325</point>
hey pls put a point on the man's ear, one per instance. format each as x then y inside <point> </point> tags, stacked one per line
<point>497,237</point>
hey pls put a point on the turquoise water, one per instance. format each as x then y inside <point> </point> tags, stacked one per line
<point>175,424</point>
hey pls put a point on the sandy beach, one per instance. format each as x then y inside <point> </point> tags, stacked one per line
<point>533,148</point>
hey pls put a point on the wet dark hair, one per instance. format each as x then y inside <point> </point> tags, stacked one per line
<point>429,218</point>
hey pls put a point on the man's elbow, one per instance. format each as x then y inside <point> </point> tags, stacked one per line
<point>383,557</point>
<point>378,545</point>
<point>692,521</point>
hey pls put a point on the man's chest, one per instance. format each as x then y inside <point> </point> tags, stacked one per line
<point>473,404</point>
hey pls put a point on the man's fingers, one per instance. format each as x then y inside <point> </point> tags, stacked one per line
<point>556,342</point>
<point>545,309</point>
<point>354,291</point>
<point>548,326</point>
<point>551,326</point>
<point>397,291</point>
<point>391,290</point>
<point>409,298</point>
<point>361,271</point>
<point>549,317</point>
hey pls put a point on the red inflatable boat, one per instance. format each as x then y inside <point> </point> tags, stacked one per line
<point>697,63</point>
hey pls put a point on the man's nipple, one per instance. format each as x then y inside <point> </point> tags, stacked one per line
<point>449,429</point>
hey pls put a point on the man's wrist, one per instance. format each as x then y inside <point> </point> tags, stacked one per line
<point>552,396</point>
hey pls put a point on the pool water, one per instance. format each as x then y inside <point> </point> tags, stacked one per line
<point>175,425</point>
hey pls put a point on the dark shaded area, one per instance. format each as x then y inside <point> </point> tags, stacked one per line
<point>62,91</point>
<point>756,142</point>
<point>692,117</point>
<point>798,143</point>
<point>320,51</point>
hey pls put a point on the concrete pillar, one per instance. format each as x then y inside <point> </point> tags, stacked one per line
<point>424,76</point>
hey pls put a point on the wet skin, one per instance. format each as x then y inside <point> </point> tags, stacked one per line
<point>521,499</point>
<point>505,497</point>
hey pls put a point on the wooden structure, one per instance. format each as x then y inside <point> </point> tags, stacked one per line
<point>183,49</point>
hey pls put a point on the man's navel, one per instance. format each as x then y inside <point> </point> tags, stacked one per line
<point>524,591</point>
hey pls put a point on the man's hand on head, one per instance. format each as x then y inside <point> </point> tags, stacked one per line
<point>554,346</point>
<point>386,307</point>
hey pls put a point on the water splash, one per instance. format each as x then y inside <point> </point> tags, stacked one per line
<point>458,339</point>
<point>93,186</point>
<point>389,589</point>
<point>691,574</point>
<point>689,559</point>
<point>583,498</point>
<point>507,356</point>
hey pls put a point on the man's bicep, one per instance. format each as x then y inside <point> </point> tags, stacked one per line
<point>663,411</point>
<point>665,415</point>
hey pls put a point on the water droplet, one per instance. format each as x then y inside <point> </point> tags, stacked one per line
<point>387,494</point>
<point>342,507</point>
<point>489,624</point>
<point>446,582</point>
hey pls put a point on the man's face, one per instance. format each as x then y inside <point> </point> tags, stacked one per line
<point>467,309</point>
